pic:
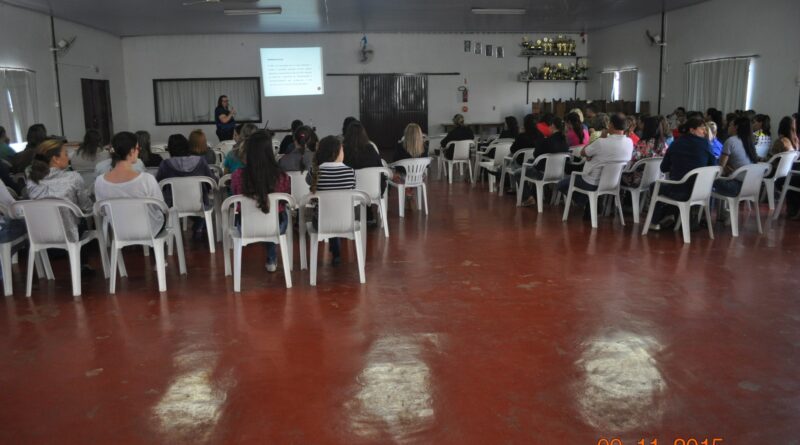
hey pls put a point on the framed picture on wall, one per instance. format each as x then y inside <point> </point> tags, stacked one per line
<point>467,46</point>
<point>478,48</point>
<point>489,51</point>
<point>500,53</point>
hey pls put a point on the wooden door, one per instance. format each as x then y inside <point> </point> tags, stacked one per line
<point>389,102</point>
<point>97,107</point>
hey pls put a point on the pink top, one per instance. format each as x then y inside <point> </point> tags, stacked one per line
<point>283,185</point>
<point>572,138</point>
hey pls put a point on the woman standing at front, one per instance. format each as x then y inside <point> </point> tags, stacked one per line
<point>224,118</point>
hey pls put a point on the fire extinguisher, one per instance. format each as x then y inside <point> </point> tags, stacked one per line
<point>464,93</point>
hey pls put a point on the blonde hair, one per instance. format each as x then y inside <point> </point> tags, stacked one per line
<point>578,112</point>
<point>412,140</point>
<point>198,144</point>
<point>458,119</point>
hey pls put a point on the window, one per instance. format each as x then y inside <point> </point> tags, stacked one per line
<point>18,109</point>
<point>192,101</point>
<point>620,85</point>
<point>720,83</point>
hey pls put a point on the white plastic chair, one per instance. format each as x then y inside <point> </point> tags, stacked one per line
<point>785,161</point>
<point>501,150</point>
<point>5,254</point>
<point>460,157</point>
<point>368,180</point>
<point>187,200</point>
<point>300,189</point>
<point>256,227</point>
<point>553,174</point>
<point>415,178</point>
<point>217,170</point>
<point>219,157</point>
<point>787,186</point>
<point>610,176</point>
<point>751,177</point>
<point>225,147</point>
<point>46,230</point>
<point>129,219</point>
<point>336,219</point>
<point>511,165</point>
<point>221,192</point>
<point>651,172</point>
<point>481,153</point>
<point>762,149</point>
<point>701,195</point>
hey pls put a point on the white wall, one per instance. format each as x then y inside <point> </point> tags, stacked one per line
<point>718,28</point>
<point>26,44</point>
<point>494,91</point>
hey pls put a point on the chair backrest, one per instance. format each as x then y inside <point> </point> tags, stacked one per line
<point>762,149</point>
<point>44,219</point>
<point>225,146</point>
<point>254,222</point>
<point>703,182</point>
<point>461,149</point>
<point>218,170</point>
<point>300,187</point>
<point>526,154</point>
<point>751,176</point>
<point>610,175</point>
<point>554,165</point>
<point>652,171</point>
<point>219,157</point>
<point>502,147</point>
<point>152,170</point>
<point>276,145</point>
<point>368,180</point>
<point>785,161</point>
<point>187,192</point>
<point>415,170</point>
<point>336,209</point>
<point>130,217</point>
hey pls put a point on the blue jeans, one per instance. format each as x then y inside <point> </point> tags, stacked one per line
<point>728,187</point>
<point>12,229</point>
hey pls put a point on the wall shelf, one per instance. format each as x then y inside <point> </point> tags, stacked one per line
<point>542,56</point>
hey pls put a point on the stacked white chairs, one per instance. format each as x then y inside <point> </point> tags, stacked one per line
<point>512,165</point>
<point>502,148</point>
<point>553,174</point>
<point>336,219</point>
<point>256,226</point>
<point>221,192</point>
<point>187,200</point>
<point>368,180</point>
<point>751,177</point>
<point>414,178</point>
<point>129,220</point>
<point>481,153</point>
<point>46,230</point>
<point>460,157</point>
<point>651,171</point>
<point>787,186</point>
<point>701,195</point>
<point>784,166</point>
<point>610,176</point>
<point>225,146</point>
<point>219,157</point>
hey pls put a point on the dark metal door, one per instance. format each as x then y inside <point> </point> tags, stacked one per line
<point>389,102</point>
<point>97,107</point>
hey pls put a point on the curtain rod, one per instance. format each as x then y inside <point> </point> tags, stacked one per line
<point>621,71</point>
<point>753,56</point>
<point>394,74</point>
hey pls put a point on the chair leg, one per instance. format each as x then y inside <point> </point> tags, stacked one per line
<point>539,196</point>
<point>301,227</point>
<point>769,188</point>
<point>285,257</point>
<point>360,252</point>
<point>593,209</point>
<point>161,265</point>
<point>469,168</point>
<point>733,210</point>
<point>709,220</point>
<point>179,247</point>
<point>290,241</point>
<point>384,220</point>
<point>209,216</point>
<point>313,258</point>
<point>449,172</point>
<point>618,200</point>
<point>520,188</point>
<point>112,269</point>
<point>502,185</point>
<point>226,252</point>
<point>491,183</point>
<point>74,253</point>
<point>237,264</point>
<point>5,260</point>
<point>567,204</point>
<point>29,276</point>
<point>758,218</point>
<point>686,215</point>
<point>635,205</point>
<point>401,200</point>
<point>48,269</point>
<point>425,196</point>
<point>146,250</point>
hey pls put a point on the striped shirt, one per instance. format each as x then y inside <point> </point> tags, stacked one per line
<point>334,176</point>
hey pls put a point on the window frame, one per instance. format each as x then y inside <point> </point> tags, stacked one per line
<point>158,122</point>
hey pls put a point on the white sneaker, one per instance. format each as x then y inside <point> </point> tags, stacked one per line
<point>272,267</point>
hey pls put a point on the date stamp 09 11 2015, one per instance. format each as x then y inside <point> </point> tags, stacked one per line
<point>677,441</point>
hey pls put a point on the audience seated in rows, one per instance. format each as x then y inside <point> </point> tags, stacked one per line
<point>149,159</point>
<point>234,159</point>
<point>198,145</point>
<point>555,143</point>
<point>576,133</point>
<point>301,156</point>
<point>37,134</point>
<point>460,133</point>
<point>288,140</point>
<point>90,152</point>
<point>651,144</point>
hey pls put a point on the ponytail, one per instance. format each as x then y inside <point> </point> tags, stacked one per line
<point>574,120</point>
<point>45,152</point>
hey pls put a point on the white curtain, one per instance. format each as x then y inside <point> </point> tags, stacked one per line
<point>607,86</point>
<point>193,101</point>
<point>628,85</point>
<point>721,84</point>
<point>18,109</point>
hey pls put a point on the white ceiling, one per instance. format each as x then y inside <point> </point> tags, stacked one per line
<point>158,17</point>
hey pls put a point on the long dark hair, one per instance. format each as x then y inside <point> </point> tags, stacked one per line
<point>346,123</point>
<point>2,134</point>
<point>652,130</point>
<point>143,138</point>
<point>178,145</point>
<point>121,146</point>
<point>219,100</point>
<point>91,143</point>
<point>47,150</point>
<point>261,172</point>
<point>560,129</point>
<point>785,128</point>
<point>529,125</point>
<point>513,126</point>
<point>765,121</point>
<point>305,139</point>
<point>691,123</point>
<point>327,151</point>
<point>355,140</point>
<point>37,134</point>
<point>745,132</point>
<point>574,121</point>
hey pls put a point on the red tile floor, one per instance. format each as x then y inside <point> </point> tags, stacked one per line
<point>482,323</point>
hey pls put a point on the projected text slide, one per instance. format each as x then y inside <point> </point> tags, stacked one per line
<point>292,71</point>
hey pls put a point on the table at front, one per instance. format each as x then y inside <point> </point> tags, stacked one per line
<point>478,127</point>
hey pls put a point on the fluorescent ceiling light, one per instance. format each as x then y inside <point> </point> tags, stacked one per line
<point>254,11</point>
<point>499,11</point>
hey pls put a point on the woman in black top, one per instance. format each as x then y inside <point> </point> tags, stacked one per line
<point>556,143</point>
<point>530,138</point>
<point>224,119</point>
<point>358,152</point>
<point>149,158</point>
<point>288,140</point>
<point>512,128</point>
<point>459,133</point>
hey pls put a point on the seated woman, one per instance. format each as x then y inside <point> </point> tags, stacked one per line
<point>359,153</point>
<point>90,152</point>
<point>556,143</point>
<point>545,121</point>
<point>10,228</point>
<point>198,145</point>
<point>459,133</point>
<point>49,177</point>
<point>234,160</point>
<point>412,146</point>
<point>599,127</point>
<point>530,137</point>
<point>6,152</point>
<point>288,140</point>
<point>631,131</point>
<point>330,173</point>
<point>37,133</point>
<point>762,130</point>
<point>787,140</point>
<point>739,150</point>
<point>713,132</point>
<point>511,129</point>
<point>577,134</point>
<point>258,178</point>
<point>124,181</point>
<point>301,157</point>
<point>652,144</point>
<point>149,159</point>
